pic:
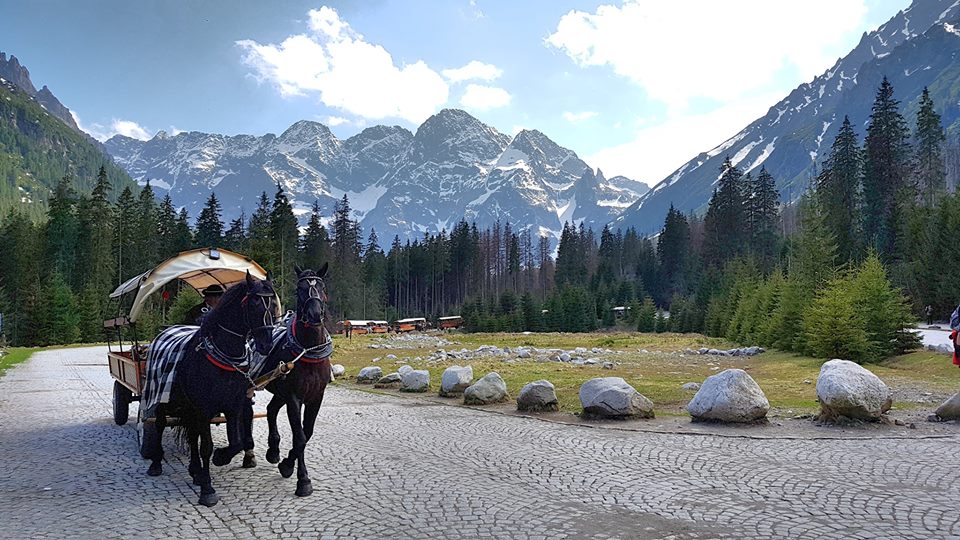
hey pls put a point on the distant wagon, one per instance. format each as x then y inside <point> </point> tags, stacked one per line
<point>379,327</point>
<point>450,323</point>
<point>409,325</point>
<point>199,269</point>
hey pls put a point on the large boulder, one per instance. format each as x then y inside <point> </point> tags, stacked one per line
<point>416,380</point>
<point>845,389</point>
<point>729,396</point>
<point>369,375</point>
<point>455,380</point>
<point>489,389</point>
<point>612,397</point>
<point>538,396</point>
<point>950,409</point>
<point>404,369</point>
<point>338,370</point>
<point>391,380</point>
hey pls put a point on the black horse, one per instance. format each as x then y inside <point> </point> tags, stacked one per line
<point>211,377</point>
<point>305,341</point>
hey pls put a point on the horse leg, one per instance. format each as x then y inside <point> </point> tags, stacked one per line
<point>156,452</point>
<point>193,441</point>
<point>273,440</point>
<point>296,429</point>
<point>208,495</point>
<point>304,485</point>
<point>235,426</point>
<point>249,458</point>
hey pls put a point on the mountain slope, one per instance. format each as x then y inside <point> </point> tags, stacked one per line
<point>916,48</point>
<point>13,71</point>
<point>37,150</point>
<point>400,183</point>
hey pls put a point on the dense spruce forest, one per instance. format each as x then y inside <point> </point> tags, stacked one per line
<point>839,273</point>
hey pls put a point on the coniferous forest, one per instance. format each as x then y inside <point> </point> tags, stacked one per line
<point>838,273</point>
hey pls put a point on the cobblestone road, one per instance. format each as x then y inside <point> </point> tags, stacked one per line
<point>384,467</point>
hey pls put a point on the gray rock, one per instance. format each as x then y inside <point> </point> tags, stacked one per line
<point>455,380</point>
<point>404,369</point>
<point>612,397</point>
<point>703,350</point>
<point>607,365</point>
<point>489,389</point>
<point>591,361</point>
<point>847,389</point>
<point>564,357</point>
<point>523,353</point>
<point>391,380</point>
<point>729,396</point>
<point>391,357</point>
<point>538,396</point>
<point>950,409</point>
<point>691,386</point>
<point>369,375</point>
<point>415,380</point>
<point>338,370</point>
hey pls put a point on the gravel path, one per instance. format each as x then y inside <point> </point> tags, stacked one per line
<point>387,467</point>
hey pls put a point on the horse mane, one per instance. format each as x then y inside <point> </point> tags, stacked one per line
<point>233,295</point>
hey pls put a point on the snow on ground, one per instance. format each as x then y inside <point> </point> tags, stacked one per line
<point>361,201</point>
<point>565,212</point>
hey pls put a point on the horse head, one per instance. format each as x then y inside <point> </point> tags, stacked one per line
<point>311,296</point>
<point>261,310</point>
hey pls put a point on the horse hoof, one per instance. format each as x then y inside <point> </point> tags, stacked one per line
<point>304,488</point>
<point>273,455</point>
<point>221,457</point>
<point>155,469</point>
<point>209,499</point>
<point>285,468</point>
<point>250,461</point>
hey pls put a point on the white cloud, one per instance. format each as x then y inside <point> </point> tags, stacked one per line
<point>658,150</point>
<point>346,72</point>
<point>722,53</point>
<point>473,70</point>
<point>580,116</point>
<point>334,121</point>
<point>118,126</point>
<point>482,98</point>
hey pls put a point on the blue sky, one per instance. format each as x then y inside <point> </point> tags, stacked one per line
<point>635,88</point>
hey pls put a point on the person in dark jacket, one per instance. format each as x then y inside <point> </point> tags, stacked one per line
<point>211,297</point>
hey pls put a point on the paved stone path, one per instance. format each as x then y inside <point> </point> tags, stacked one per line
<point>385,467</point>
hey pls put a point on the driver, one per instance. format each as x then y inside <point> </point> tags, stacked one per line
<point>211,297</point>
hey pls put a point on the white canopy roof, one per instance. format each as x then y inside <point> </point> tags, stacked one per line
<point>199,268</point>
<point>450,318</point>
<point>411,320</point>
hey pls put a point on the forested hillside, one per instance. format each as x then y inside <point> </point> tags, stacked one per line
<point>37,150</point>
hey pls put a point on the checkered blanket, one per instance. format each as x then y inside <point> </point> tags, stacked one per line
<point>164,354</point>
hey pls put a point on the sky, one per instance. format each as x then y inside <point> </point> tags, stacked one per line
<point>636,88</point>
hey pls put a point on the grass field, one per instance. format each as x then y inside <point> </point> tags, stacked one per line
<point>787,379</point>
<point>14,356</point>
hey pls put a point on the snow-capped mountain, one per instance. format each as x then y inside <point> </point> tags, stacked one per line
<point>400,183</point>
<point>916,48</point>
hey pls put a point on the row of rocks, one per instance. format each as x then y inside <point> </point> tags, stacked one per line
<point>741,351</point>
<point>409,341</point>
<point>844,390</point>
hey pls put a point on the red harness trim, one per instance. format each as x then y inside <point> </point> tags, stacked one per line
<point>305,359</point>
<point>219,364</point>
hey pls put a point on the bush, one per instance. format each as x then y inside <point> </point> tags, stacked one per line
<point>646,316</point>
<point>833,326</point>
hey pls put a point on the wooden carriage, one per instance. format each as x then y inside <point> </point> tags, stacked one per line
<point>451,322</point>
<point>197,268</point>
<point>410,324</point>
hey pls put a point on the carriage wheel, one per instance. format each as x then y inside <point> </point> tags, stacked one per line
<point>121,403</point>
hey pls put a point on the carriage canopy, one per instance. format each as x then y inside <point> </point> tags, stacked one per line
<point>198,268</point>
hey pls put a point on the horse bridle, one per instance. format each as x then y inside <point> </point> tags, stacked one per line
<point>269,321</point>
<point>316,285</point>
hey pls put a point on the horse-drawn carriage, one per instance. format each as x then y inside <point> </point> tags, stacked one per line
<point>198,269</point>
<point>189,376</point>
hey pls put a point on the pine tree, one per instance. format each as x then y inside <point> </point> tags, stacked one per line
<point>673,249</point>
<point>146,237</point>
<point>235,237</point>
<point>646,318</point>
<point>724,222</point>
<point>763,217</point>
<point>345,282</point>
<point>182,236</point>
<point>929,170</point>
<point>61,324</point>
<point>166,229</point>
<point>374,278</point>
<point>62,230</point>
<point>315,246</point>
<point>838,190</point>
<point>124,230</point>
<point>260,239</point>
<point>886,172</point>
<point>97,236</point>
<point>285,237</point>
<point>209,225</point>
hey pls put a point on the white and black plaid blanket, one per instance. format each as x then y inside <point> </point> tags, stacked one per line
<point>165,353</point>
